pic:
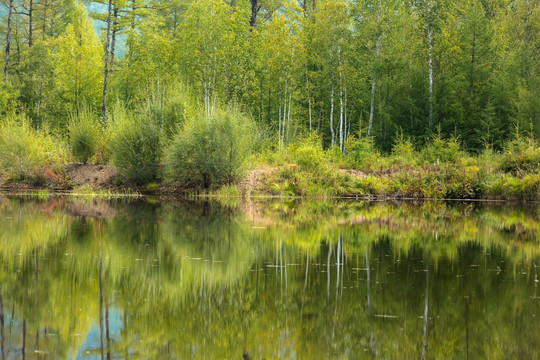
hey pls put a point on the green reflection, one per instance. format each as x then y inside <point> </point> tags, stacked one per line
<point>268,280</point>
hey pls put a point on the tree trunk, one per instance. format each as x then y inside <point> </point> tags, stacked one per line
<point>341,135</point>
<point>253,19</point>
<point>309,101</point>
<point>8,39</point>
<point>113,42</point>
<point>473,60</point>
<point>426,308</point>
<point>101,305</point>
<point>106,73</point>
<point>332,115</point>
<point>340,101</point>
<point>346,123</point>
<point>23,350</point>
<point>2,326</point>
<point>107,332</point>
<point>289,112</point>
<point>30,26</point>
<point>374,81</point>
<point>430,65</point>
<point>279,124</point>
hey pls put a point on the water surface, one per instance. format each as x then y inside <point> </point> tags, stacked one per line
<point>267,280</point>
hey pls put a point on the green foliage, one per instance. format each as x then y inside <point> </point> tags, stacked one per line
<point>521,155</point>
<point>211,150</point>
<point>440,149</point>
<point>134,146</point>
<point>79,67</point>
<point>403,153</point>
<point>168,107</point>
<point>83,135</point>
<point>360,153</point>
<point>25,152</point>
<point>308,153</point>
<point>8,96</point>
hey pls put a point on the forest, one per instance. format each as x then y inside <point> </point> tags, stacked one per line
<point>192,91</point>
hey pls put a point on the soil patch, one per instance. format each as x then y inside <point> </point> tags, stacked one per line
<point>255,181</point>
<point>96,176</point>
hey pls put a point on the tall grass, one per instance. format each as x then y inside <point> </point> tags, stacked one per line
<point>134,146</point>
<point>84,135</point>
<point>25,152</point>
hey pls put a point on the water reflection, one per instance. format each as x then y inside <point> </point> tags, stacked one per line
<point>95,279</point>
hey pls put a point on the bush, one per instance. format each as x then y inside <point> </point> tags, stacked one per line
<point>168,106</point>
<point>83,136</point>
<point>134,146</point>
<point>521,156</point>
<point>441,150</point>
<point>308,152</point>
<point>211,150</point>
<point>360,153</point>
<point>24,152</point>
<point>403,153</point>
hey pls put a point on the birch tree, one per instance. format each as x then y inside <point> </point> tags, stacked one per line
<point>284,55</point>
<point>332,41</point>
<point>79,65</point>
<point>8,39</point>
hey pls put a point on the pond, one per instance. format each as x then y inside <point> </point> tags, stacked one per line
<point>87,279</point>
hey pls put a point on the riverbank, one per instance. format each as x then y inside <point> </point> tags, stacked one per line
<point>443,181</point>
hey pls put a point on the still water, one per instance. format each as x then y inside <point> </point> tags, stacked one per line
<point>86,279</point>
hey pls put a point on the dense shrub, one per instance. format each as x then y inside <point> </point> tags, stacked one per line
<point>168,107</point>
<point>403,153</point>
<point>24,152</point>
<point>308,153</point>
<point>521,155</point>
<point>360,153</point>
<point>211,150</point>
<point>441,150</point>
<point>83,135</point>
<point>134,146</point>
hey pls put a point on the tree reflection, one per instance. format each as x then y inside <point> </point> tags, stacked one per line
<point>267,280</point>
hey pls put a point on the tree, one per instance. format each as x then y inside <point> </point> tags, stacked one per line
<point>8,40</point>
<point>78,65</point>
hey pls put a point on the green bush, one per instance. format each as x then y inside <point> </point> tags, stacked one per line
<point>360,153</point>
<point>308,152</point>
<point>83,136</point>
<point>25,152</point>
<point>168,106</point>
<point>521,156</point>
<point>373,185</point>
<point>211,150</point>
<point>441,150</point>
<point>403,153</point>
<point>134,146</point>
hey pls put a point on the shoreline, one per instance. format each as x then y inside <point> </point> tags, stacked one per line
<point>260,182</point>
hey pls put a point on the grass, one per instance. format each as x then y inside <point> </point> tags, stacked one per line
<point>90,192</point>
<point>441,170</point>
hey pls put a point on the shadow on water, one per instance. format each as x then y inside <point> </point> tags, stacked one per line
<point>265,279</point>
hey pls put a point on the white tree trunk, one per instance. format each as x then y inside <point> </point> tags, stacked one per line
<point>426,309</point>
<point>332,115</point>
<point>284,121</point>
<point>430,65</point>
<point>374,81</point>
<point>341,136</point>
<point>279,124</point>
<point>105,76</point>
<point>290,103</point>
<point>347,125</point>
<point>309,101</point>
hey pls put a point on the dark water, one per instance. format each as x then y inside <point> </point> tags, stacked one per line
<point>267,280</point>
